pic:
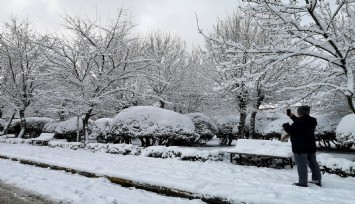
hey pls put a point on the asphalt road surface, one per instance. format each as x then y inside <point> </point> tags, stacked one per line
<point>13,195</point>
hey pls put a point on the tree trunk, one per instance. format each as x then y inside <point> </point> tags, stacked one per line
<point>243,116</point>
<point>22,123</point>
<point>260,98</point>
<point>85,124</point>
<point>252,124</point>
<point>351,103</point>
<point>162,104</point>
<point>8,123</point>
<point>78,128</point>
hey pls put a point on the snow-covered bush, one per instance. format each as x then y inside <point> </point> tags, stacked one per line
<point>34,125</point>
<point>226,125</point>
<point>3,124</point>
<point>67,145</point>
<point>101,130</point>
<point>183,153</point>
<point>268,124</point>
<point>326,126</point>
<point>345,132</point>
<point>153,125</point>
<point>66,129</point>
<point>340,166</point>
<point>15,141</point>
<point>204,126</point>
<point>124,149</point>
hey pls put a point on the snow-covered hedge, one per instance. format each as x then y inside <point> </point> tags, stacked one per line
<point>225,125</point>
<point>3,124</point>
<point>183,153</point>
<point>101,129</point>
<point>339,166</point>
<point>124,149</point>
<point>268,124</point>
<point>67,145</point>
<point>345,132</point>
<point>326,127</point>
<point>66,129</point>
<point>153,125</point>
<point>34,125</point>
<point>15,141</point>
<point>204,126</point>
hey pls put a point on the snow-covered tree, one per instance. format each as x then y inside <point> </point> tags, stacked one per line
<point>241,74</point>
<point>94,67</point>
<point>21,66</point>
<point>318,29</point>
<point>168,66</point>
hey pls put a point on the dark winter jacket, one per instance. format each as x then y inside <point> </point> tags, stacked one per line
<point>302,134</point>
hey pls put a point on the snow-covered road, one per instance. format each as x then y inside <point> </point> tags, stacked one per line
<point>10,194</point>
<point>219,179</point>
<point>65,187</point>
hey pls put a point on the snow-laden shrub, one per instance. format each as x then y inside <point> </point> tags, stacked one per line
<point>326,127</point>
<point>153,125</point>
<point>226,125</point>
<point>204,126</point>
<point>268,124</point>
<point>345,132</point>
<point>123,149</point>
<point>183,153</point>
<point>340,166</point>
<point>15,141</point>
<point>3,124</point>
<point>66,129</point>
<point>34,125</point>
<point>101,129</point>
<point>67,145</point>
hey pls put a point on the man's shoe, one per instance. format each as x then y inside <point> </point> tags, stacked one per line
<point>300,185</point>
<point>318,183</point>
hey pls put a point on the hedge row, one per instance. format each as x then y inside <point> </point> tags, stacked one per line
<point>339,166</point>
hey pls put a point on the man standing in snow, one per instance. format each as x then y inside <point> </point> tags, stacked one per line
<point>304,145</point>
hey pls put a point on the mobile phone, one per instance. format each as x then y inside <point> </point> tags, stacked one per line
<point>288,111</point>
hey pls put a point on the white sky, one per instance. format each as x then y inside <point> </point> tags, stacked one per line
<point>177,16</point>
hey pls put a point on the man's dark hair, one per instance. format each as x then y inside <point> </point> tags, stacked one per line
<point>303,110</point>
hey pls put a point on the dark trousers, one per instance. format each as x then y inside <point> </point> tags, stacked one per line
<point>304,160</point>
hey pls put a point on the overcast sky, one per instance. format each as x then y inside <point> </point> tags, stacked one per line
<point>177,16</point>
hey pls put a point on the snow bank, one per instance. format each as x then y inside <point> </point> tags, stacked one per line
<point>345,132</point>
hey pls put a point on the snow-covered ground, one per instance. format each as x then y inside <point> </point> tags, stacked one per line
<point>220,179</point>
<point>71,188</point>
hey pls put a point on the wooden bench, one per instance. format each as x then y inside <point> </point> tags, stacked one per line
<point>43,139</point>
<point>264,149</point>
